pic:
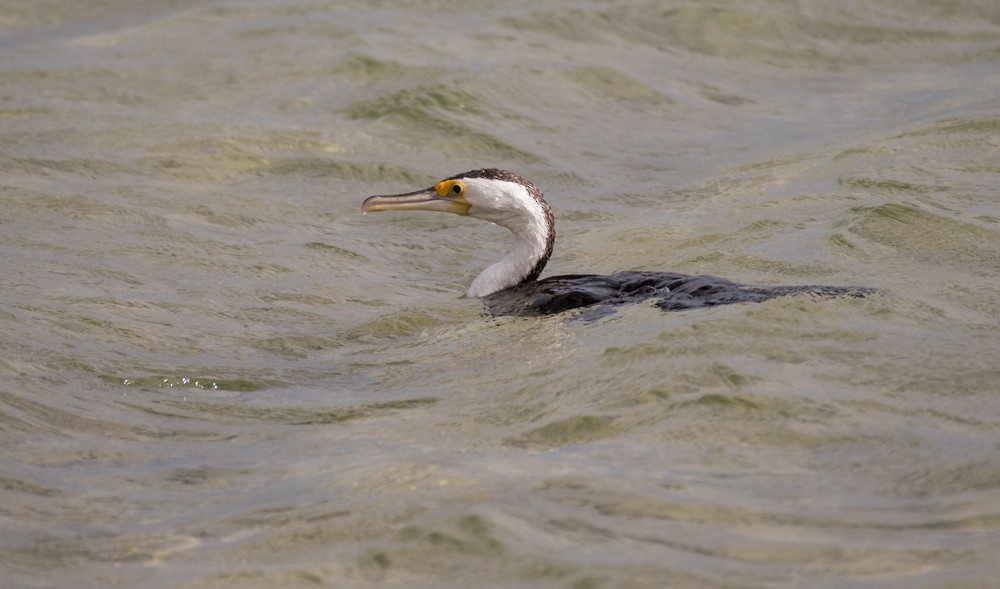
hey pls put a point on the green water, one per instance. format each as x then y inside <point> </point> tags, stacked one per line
<point>215,372</point>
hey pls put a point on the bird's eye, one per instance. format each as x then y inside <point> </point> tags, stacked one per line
<point>457,189</point>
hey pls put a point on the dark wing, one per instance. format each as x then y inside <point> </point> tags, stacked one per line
<point>552,295</point>
<point>675,292</point>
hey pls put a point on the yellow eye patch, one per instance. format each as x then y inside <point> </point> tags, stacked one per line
<point>449,188</point>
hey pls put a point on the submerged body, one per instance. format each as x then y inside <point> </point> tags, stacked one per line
<point>511,285</point>
<point>672,291</point>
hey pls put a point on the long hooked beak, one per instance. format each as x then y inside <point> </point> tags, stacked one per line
<point>421,200</point>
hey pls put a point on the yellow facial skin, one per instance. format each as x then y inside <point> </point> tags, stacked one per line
<point>447,196</point>
<point>453,188</point>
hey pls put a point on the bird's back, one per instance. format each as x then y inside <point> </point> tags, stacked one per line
<point>673,291</point>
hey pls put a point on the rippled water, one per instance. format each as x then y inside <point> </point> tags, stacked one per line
<point>214,372</point>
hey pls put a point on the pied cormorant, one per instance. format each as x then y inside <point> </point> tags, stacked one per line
<point>511,285</point>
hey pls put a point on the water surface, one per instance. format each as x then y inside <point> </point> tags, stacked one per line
<point>215,372</point>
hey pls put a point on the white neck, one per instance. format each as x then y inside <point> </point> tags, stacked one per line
<point>512,268</point>
<point>526,219</point>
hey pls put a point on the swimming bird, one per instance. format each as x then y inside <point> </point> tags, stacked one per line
<point>511,286</point>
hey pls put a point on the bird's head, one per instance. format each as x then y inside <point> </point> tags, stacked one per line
<point>490,194</point>
<point>497,196</point>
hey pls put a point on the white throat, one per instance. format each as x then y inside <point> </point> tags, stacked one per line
<point>525,218</point>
